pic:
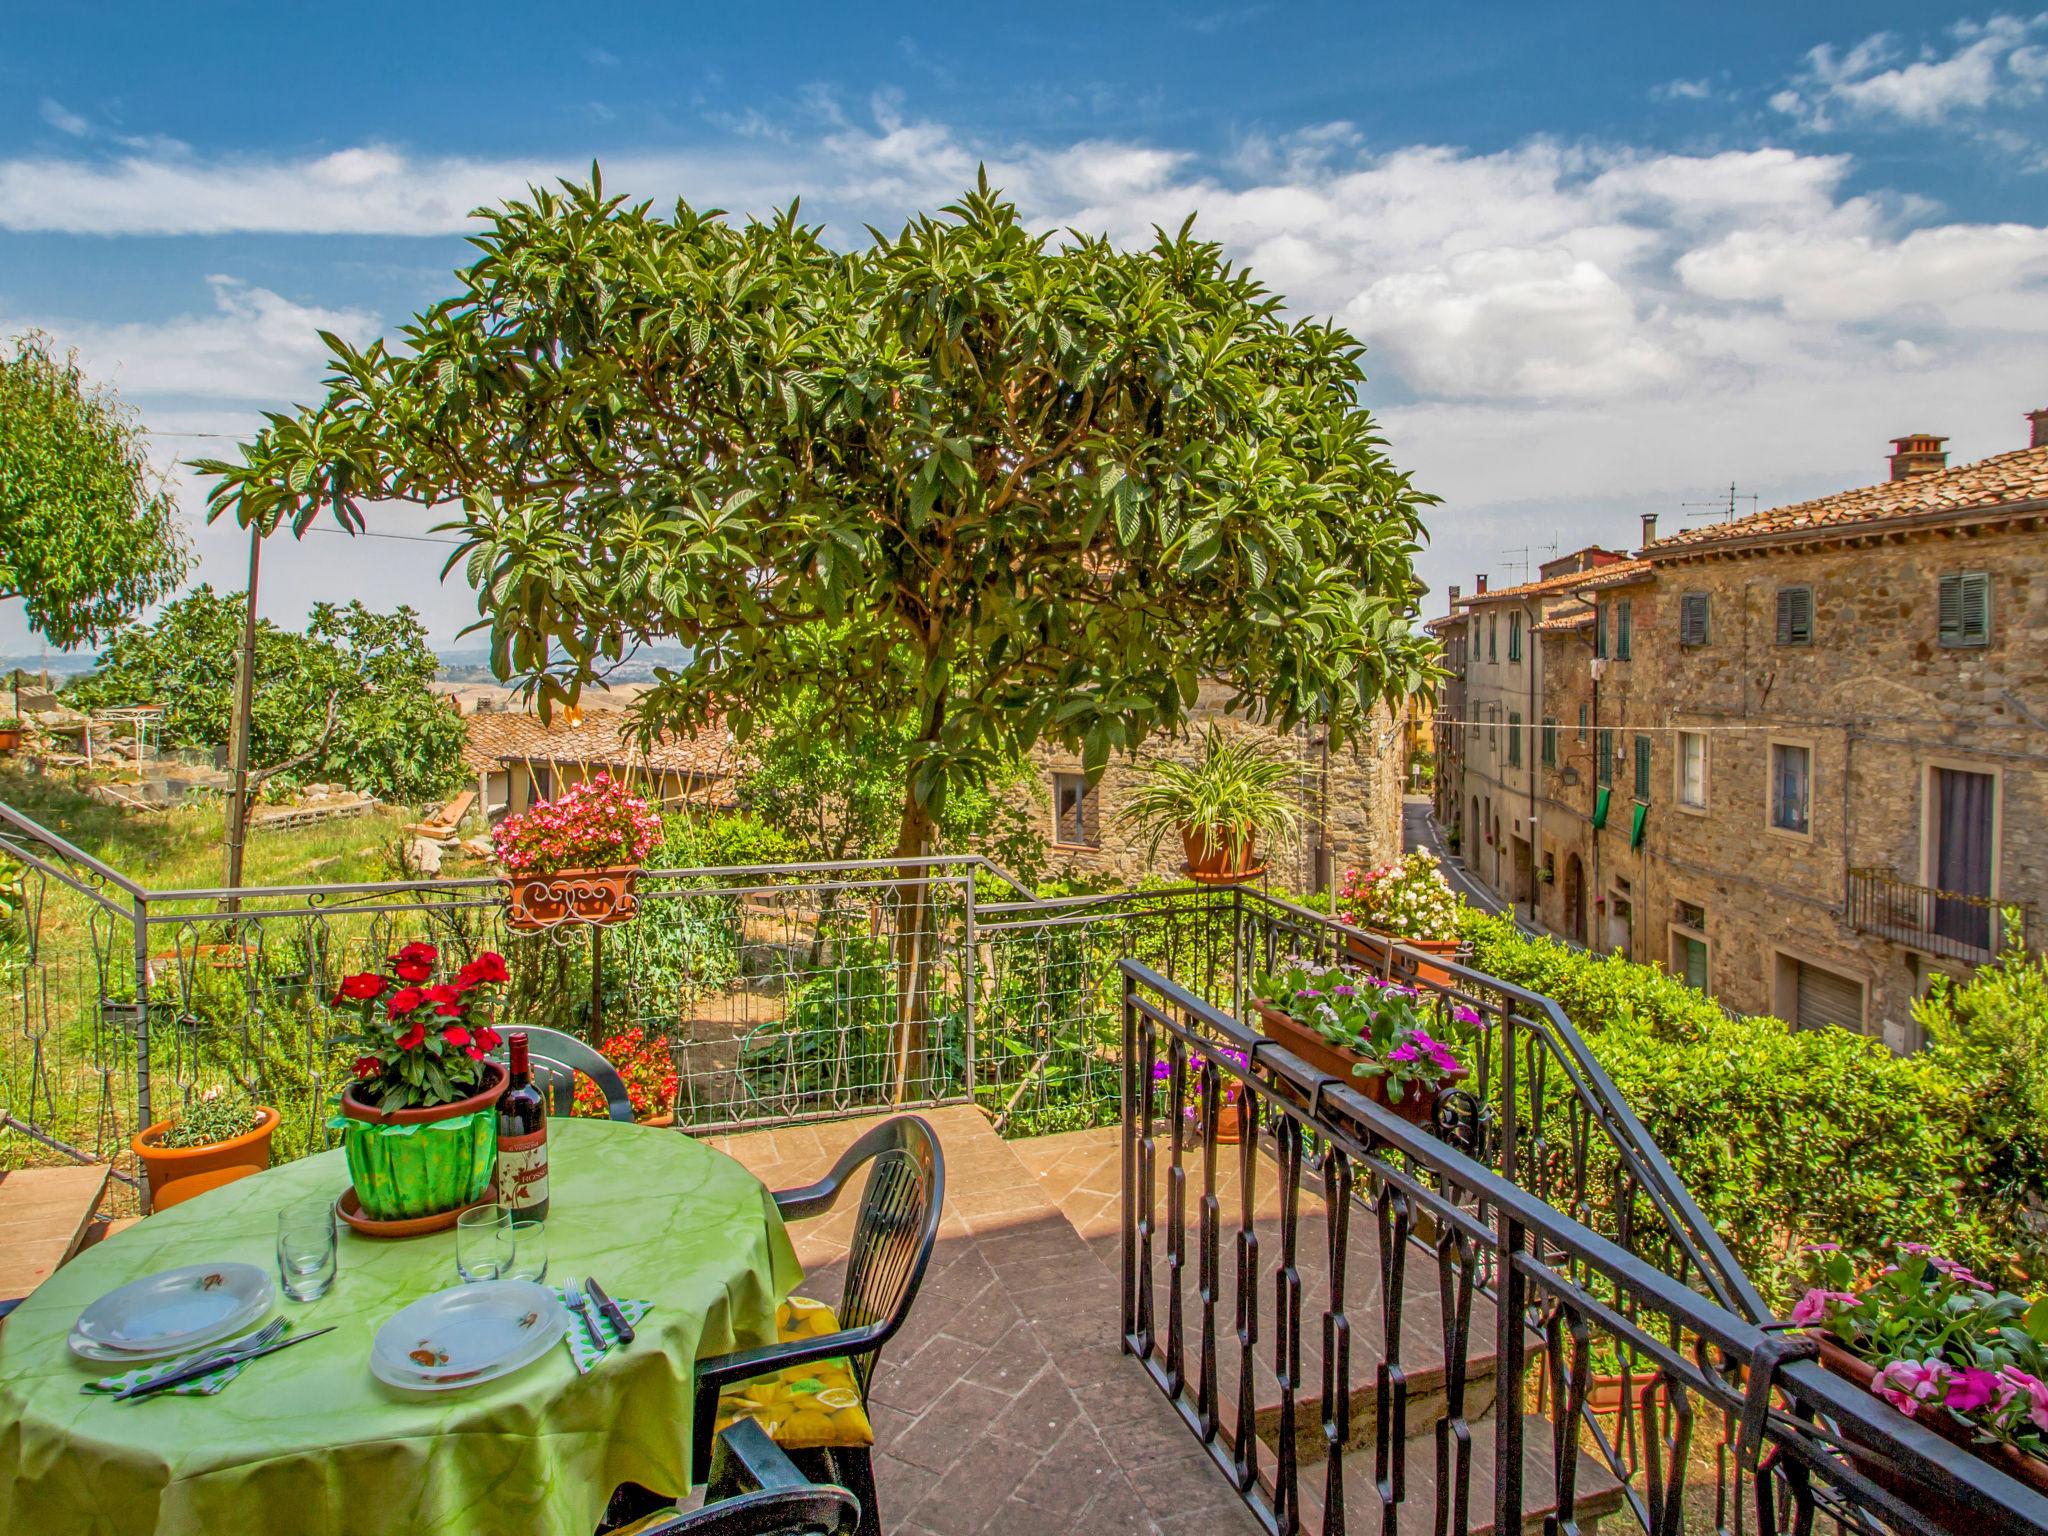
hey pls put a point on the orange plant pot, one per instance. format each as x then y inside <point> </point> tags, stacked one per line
<point>176,1174</point>
<point>1415,1107</point>
<point>10,737</point>
<point>596,896</point>
<point>1434,975</point>
<point>1210,863</point>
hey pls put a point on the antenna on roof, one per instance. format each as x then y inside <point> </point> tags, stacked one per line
<point>1724,505</point>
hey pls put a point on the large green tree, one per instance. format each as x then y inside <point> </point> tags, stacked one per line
<point>348,700</point>
<point>1026,487</point>
<point>88,535</point>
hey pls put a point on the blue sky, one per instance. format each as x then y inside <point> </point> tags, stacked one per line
<point>1606,258</point>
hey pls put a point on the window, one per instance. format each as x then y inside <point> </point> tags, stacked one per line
<point>1514,637</point>
<point>1814,997</point>
<point>1603,756</point>
<point>1514,739</point>
<point>1599,629</point>
<point>1795,615</point>
<point>1643,768</point>
<point>542,780</point>
<point>1791,787</point>
<point>1692,619</point>
<point>1493,637</point>
<point>1624,630</point>
<point>1689,945</point>
<point>1965,604</point>
<point>1549,742</point>
<point>1582,722</point>
<point>1690,755</point>
<point>1076,818</point>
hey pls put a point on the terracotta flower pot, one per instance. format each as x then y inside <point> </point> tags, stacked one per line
<point>178,1173</point>
<point>1210,863</point>
<point>407,1163</point>
<point>10,737</point>
<point>1434,975</point>
<point>1417,1107</point>
<point>1895,1480</point>
<point>597,896</point>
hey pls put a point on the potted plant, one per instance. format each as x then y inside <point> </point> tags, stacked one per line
<point>1942,1346</point>
<point>1357,1026</point>
<point>212,1141</point>
<point>575,858</point>
<point>419,1124</point>
<point>647,1066</point>
<point>1220,805</point>
<point>1408,901</point>
<point>1229,1106</point>
<point>10,733</point>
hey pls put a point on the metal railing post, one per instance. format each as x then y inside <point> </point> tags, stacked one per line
<point>142,1086</point>
<point>970,969</point>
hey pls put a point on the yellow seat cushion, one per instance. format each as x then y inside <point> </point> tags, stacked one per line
<point>802,1407</point>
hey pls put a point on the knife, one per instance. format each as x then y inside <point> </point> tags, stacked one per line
<point>611,1311</point>
<point>207,1367</point>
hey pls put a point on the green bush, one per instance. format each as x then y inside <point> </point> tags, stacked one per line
<point>1787,1136</point>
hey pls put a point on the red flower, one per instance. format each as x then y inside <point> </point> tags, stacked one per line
<point>474,1054</point>
<point>362,986</point>
<point>412,970</point>
<point>368,1066</point>
<point>488,1038</point>
<point>486,967</point>
<point>412,1038</point>
<point>443,994</point>
<point>424,954</point>
<point>455,1035</point>
<point>404,1002</point>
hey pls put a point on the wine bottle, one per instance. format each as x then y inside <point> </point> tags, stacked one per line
<point>523,1139</point>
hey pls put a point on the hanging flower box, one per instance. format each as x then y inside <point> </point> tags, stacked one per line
<point>575,858</point>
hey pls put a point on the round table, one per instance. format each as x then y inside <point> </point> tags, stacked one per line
<point>309,1442</point>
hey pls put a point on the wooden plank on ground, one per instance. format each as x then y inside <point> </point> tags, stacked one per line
<point>44,1213</point>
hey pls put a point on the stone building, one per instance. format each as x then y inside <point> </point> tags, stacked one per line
<point>516,759</point>
<point>1801,758</point>
<point>1348,800</point>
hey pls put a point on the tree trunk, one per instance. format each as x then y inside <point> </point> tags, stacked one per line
<point>916,939</point>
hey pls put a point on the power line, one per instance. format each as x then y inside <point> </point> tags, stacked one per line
<point>1782,724</point>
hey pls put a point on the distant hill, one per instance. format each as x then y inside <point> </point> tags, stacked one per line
<point>473,665</point>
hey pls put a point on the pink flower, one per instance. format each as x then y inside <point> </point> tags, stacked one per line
<point>1906,1384</point>
<point>2012,1381</point>
<point>1970,1389</point>
<point>1813,1306</point>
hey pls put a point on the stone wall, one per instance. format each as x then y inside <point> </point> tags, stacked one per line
<point>1360,784</point>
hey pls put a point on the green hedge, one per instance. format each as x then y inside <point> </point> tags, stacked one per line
<point>1786,1136</point>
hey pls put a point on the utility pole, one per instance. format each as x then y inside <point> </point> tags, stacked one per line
<point>245,697</point>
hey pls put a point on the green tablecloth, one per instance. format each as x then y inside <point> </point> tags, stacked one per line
<point>309,1443</point>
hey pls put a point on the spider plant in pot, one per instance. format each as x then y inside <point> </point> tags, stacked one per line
<point>1220,804</point>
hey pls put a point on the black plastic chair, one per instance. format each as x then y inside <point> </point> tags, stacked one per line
<point>556,1058</point>
<point>892,1244</point>
<point>783,1501</point>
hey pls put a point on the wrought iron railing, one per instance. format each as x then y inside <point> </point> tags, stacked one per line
<point>1368,1327</point>
<point>1949,924</point>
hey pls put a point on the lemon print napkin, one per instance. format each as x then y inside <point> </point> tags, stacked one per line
<point>802,1407</point>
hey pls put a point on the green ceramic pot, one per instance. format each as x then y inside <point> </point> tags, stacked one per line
<point>406,1163</point>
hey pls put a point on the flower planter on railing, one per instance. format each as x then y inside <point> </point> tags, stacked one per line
<point>596,896</point>
<point>1417,1106</point>
<point>1434,975</point>
<point>575,858</point>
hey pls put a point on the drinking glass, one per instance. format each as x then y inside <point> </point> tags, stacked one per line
<point>530,1252</point>
<point>306,1259</point>
<point>484,1246</point>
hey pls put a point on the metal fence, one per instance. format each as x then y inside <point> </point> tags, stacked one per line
<point>1372,1325</point>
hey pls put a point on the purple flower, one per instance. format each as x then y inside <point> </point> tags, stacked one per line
<point>1970,1389</point>
<point>2013,1381</point>
<point>1813,1306</point>
<point>1341,990</point>
<point>1466,1015</point>
<point>1823,1248</point>
<point>1161,1071</point>
<point>1906,1384</point>
<point>1406,1051</point>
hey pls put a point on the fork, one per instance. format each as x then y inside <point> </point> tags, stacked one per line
<point>267,1335</point>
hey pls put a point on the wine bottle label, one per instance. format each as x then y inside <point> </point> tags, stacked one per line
<point>523,1169</point>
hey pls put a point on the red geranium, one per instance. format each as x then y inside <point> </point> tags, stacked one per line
<point>408,1060</point>
<point>648,1068</point>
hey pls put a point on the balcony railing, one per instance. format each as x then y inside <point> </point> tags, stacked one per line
<point>1947,924</point>
<point>1367,1327</point>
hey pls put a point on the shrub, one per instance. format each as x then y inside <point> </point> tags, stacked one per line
<point>1783,1136</point>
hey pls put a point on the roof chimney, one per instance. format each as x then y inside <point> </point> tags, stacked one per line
<point>1918,453</point>
<point>1649,529</point>
<point>1454,594</point>
<point>1482,581</point>
<point>2039,421</point>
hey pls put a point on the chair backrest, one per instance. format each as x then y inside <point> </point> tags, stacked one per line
<point>556,1058</point>
<point>896,1230</point>
<point>825,1510</point>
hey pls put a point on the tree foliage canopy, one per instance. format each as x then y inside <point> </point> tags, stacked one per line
<point>88,536</point>
<point>390,735</point>
<point>1018,489</point>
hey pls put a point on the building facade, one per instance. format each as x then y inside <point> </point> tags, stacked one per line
<point>1800,758</point>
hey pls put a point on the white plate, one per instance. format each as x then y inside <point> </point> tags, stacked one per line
<point>473,1334</point>
<point>175,1311</point>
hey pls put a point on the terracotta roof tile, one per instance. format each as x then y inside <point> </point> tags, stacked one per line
<point>1565,582</point>
<point>1988,484</point>
<point>1564,621</point>
<point>603,738</point>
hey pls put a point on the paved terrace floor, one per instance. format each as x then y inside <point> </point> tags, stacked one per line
<point>1005,1405</point>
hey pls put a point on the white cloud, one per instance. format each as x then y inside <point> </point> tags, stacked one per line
<point>62,118</point>
<point>253,346</point>
<point>1989,63</point>
<point>1683,90</point>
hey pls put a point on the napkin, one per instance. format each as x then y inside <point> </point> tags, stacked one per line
<point>585,1350</point>
<point>200,1386</point>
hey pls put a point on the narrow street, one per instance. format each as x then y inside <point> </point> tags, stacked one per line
<point>1419,830</point>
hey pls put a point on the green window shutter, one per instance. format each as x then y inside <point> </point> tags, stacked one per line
<point>1624,630</point>
<point>1514,739</point>
<point>1582,722</point>
<point>1549,742</point>
<point>1635,827</point>
<point>1600,800</point>
<point>1599,629</point>
<point>1603,756</point>
<point>1965,608</point>
<point>1493,637</point>
<point>1795,615</point>
<point>1692,619</point>
<point>1642,768</point>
